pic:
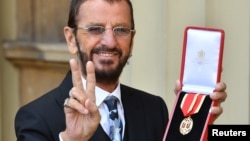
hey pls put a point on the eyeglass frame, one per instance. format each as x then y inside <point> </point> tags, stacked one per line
<point>87,30</point>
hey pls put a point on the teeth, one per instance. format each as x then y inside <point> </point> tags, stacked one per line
<point>107,54</point>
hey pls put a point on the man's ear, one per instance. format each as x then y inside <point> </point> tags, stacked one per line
<point>70,39</point>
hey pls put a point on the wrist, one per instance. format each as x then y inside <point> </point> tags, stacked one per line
<point>63,136</point>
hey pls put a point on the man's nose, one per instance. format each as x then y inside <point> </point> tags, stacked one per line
<point>109,38</point>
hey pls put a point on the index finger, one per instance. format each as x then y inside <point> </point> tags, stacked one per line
<point>219,92</point>
<point>76,74</point>
<point>220,86</point>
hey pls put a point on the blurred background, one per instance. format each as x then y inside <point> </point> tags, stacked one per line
<point>34,57</point>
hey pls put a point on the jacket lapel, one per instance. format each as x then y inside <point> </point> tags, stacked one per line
<point>133,111</point>
<point>100,135</point>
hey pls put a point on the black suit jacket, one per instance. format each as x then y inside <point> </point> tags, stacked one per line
<point>146,116</point>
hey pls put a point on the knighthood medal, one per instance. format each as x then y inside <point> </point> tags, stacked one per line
<point>190,104</point>
<point>186,125</point>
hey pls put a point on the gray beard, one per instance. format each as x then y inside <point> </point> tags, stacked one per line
<point>109,77</point>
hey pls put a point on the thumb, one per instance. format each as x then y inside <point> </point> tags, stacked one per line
<point>177,87</point>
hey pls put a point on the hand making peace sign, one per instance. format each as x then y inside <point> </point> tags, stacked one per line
<point>81,113</point>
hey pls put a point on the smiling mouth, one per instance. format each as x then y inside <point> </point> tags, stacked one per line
<point>107,54</point>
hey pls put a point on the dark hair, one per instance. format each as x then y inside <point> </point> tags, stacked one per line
<point>74,9</point>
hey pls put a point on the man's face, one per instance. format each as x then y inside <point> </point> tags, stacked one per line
<point>108,51</point>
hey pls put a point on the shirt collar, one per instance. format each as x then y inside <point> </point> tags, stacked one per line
<point>101,94</point>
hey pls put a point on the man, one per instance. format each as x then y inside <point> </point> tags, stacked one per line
<point>100,33</point>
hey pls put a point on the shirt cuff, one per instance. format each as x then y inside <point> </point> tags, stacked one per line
<point>60,136</point>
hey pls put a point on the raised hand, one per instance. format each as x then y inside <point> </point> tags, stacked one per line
<point>81,112</point>
<point>220,96</point>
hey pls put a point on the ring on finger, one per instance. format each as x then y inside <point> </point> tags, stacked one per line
<point>70,93</point>
<point>66,103</point>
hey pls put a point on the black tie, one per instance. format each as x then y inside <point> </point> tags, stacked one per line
<point>114,121</point>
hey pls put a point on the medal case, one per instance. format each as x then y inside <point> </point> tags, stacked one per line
<point>201,69</point>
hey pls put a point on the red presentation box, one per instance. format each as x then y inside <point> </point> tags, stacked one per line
<point>201,69</point>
